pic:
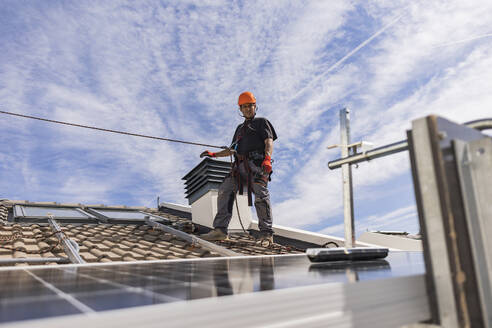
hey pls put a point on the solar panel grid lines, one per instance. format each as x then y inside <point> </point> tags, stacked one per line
<point>108,287</point>
<point>127,288</point>
<point>69,298</point>
<point>302,306</point>
<point>25,296</point>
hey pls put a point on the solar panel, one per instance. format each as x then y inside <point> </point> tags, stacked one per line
<point>40,292</point>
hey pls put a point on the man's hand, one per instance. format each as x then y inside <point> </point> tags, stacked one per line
<point>207,153</point>
<point>267,164</point>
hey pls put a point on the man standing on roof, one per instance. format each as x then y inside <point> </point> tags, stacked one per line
<point>253,147</point>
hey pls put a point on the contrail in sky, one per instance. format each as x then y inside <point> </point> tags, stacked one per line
<point>464,40</point>
<point>340,61</point>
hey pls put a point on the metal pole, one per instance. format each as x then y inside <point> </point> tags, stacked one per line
<point>348,203</point>
<point>34,260</point>
<point>69,246</point>
<point>396,147</point>
<point>191,238</point>
<point>371,154</point>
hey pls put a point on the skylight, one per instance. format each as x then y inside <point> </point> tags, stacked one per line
<point>42,212</point>
<point>121,214</point>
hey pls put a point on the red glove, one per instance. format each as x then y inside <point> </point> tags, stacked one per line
<point>207,153</point>
<point>267,164</point>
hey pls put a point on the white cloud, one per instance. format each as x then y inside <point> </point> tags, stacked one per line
<point>404,79</point>
<point>402,219</point>
<point>175,70</point>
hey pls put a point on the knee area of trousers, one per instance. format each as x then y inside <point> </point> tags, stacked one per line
<point>261,200</point>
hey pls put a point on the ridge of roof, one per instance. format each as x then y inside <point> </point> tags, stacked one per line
<point>7,202</point>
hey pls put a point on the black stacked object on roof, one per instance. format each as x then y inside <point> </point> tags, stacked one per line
<point>208,175</point>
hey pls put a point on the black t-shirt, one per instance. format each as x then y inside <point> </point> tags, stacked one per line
<point>250,135</point>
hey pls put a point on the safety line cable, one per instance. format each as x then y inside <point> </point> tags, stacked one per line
<point>109,130</point>
<point>248,235</point>
<point>235,197</point>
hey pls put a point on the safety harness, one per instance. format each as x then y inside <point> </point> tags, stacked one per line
<point>259,175</point>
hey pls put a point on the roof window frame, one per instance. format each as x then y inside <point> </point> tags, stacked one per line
<point>20,215</point>
<point>99,214</point>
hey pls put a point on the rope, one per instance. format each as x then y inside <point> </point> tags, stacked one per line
<point>235,199</point>
<point>248,235</point>
<point>111,131</point>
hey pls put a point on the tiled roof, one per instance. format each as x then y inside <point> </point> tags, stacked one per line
<point>116,242</point>
<point>3,213</point>
<point>99,243</point>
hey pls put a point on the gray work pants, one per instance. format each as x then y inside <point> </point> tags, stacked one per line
<point>225,199</point>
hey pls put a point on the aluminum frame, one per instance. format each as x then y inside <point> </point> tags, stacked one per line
<point>396,147</point>
<point>474,167</point>
<point>70,246</point>
<point>453,273</point>
<point>192,239</point>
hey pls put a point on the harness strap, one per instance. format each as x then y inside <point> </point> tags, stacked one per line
<point>237,175</point>
<point>248,169</point>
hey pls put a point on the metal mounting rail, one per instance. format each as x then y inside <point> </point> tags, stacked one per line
<point>396,147</point>
<point>191,238</point>
<point>34,260</point>
<point>70,246</point>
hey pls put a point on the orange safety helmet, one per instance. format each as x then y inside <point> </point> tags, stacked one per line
<point>246,98</point>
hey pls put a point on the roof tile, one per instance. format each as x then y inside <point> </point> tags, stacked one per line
<point>105,242</point>
<point>88,257</point>
<point>19,254</point>
<point>30,241</point>
<point>138,257</point>
<point>31,248</point>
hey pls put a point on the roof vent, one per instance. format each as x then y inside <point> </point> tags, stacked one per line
<point>202,185</point>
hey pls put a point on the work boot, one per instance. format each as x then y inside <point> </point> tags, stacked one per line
<point>214,235</point>
<point>265,238</point>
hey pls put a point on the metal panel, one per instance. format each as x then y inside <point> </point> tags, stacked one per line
<point>474,166</point>
<point>289,289</point>
<point>192,238</point>
<point>431,217</point>
<point>452,272</point>
<point>34,260</point>
<point>70,247</point>
<point>359,304</point>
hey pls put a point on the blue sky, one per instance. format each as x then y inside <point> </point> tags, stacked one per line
<point>175,69</point>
